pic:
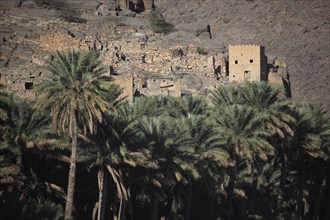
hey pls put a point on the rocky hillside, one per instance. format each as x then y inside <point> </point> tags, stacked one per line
<point>295,31</point>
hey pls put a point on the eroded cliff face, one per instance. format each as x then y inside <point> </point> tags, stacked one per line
<point>31,33</point>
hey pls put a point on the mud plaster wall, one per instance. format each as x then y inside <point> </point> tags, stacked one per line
<point>246,62</point>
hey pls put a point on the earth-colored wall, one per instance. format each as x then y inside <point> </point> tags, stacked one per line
<point>126,83</point>
<point>245,62</point>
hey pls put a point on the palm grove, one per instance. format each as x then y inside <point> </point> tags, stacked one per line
<point>78,151</point>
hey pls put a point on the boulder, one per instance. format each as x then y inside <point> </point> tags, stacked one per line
<point>103,9</point>
<point>127,13</point>
<point>280,62</point>
<point>139,36</point>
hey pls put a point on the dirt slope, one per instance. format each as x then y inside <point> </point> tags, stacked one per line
<point>298,30</point>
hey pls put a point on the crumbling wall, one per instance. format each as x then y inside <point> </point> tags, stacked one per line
<point>61,42</point>
<point>126,84</point>
<point>22,80</point>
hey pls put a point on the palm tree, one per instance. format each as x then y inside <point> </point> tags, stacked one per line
<point>3,113</point>
<point>24,133</point>
<point>275,114</point>
<point>24,128</point>
<point>310,143</point>
<point>108,153</point>
<point>166,140</point>
<point>74,96</point>
<point>225,95</point>
<point>242,134</point>
<point>191,113</point>
<point>275,111</point>
<point>181,107</point>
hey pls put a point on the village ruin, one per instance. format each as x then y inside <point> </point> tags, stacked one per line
<point>142,69</point>
<point>138,60</point>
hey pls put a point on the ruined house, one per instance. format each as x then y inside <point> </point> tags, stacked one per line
<point>158,86</point>
<point>151,70</point>
<point>164,85</point>
<point>247,62</point>
<point>21,80</point>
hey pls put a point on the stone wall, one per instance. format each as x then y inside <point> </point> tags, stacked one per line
<point>21,80</point>
<point>53,42</point>
<point>126,83</point>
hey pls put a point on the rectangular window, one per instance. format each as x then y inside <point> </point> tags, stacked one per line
<point>236,61</point>
<point>251,61</point>
<point>28,85</point>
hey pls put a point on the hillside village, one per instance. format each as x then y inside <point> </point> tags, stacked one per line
<point>135,59</point>
<point>30,34</point>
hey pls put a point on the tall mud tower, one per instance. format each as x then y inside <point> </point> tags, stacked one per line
<point>247,63</point>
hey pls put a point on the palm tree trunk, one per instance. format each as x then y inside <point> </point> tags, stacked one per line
<point>132,203</point>
<point>94,213</point>
<point>122,207</point>
<point>72,171</point>
<point>169,205</point>
<point>188,202</point>
<point>327,185</point>
<point>19,160</point>
<point>301,187</point>
<point>231,187</point>
<point>317,203</point>
<point>102,177</point>
<point>154,203</point>
<point>284,170</point>
<point>254,188</point>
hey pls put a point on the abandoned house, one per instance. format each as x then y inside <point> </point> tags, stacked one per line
<point>247,62</point>
<point>159,86</point>
<point>21,81</point>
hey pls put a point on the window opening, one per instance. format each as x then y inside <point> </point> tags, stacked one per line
<point>28,85</point>
<point>247,74</point>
